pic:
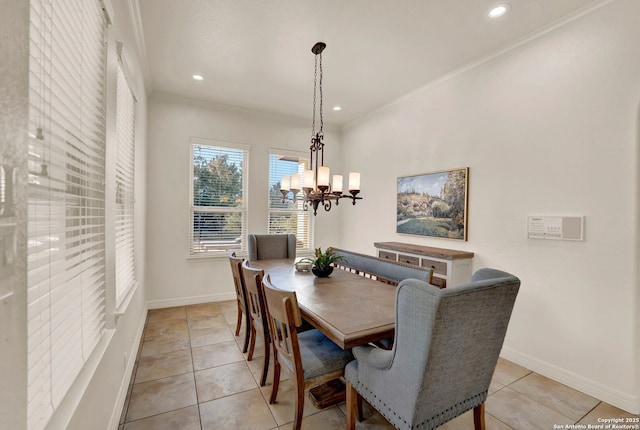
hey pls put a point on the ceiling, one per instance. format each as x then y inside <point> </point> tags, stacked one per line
<point>257,53</point>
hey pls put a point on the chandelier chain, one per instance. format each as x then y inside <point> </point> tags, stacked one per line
<point>315,79</point>
<point>321,119</point>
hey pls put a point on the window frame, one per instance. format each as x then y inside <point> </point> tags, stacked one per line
<point>243,210</point>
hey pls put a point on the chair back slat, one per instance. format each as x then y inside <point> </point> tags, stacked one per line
<point>255,293</point>
<point>238,280</point>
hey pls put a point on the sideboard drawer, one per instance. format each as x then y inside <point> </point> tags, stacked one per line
<point>438,266</point>
<point>409,259</point>
<point>439,282</point>
<point>388,255</point>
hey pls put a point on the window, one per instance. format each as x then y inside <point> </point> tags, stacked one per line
<point>288,217</point>
<point>218,197</point>
<point>124,186</point>
<point>66,203</point>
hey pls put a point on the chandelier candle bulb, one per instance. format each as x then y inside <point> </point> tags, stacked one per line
<point>323,176</point>
<point>354,181</point>
<point>295,182</point>
<point>309,180</point>
<point>337,184</point>
<point>285,183</point>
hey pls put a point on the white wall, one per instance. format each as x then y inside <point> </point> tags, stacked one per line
<point>174,279</point>
<point>550,127</point>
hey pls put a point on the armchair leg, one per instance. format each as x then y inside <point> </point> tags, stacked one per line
<point>478,417</point>
<point>354,406</point>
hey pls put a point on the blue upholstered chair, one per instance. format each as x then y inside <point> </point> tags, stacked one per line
<point>268,246</point>
<point>446,347</point>
<point>311,357</point>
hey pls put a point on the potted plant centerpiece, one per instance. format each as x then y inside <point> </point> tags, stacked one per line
<point>323,262</point>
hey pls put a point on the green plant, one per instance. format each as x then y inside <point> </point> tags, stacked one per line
<point>324,259</point>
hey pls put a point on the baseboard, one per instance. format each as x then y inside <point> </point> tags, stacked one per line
<point>126,379</point>
<point>595,389</point>
<point>193,300</point>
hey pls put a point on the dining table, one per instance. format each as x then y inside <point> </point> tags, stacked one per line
<point>348,308</point>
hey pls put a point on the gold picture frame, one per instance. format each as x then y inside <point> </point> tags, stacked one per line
<point>434,204</point>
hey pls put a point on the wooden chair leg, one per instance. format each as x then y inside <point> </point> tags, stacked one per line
<point>276,380</point>
<point>247,332</point>
<point>353,408</point>
<point>239,323</point>
<point>252,343</point>
<point>265,364</point>
<point>478,417</point>
<point>297,422</point>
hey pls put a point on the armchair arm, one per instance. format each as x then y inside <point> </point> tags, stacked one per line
<point>370,356</point>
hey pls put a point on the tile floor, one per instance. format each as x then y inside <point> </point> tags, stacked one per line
<point>190,374</point>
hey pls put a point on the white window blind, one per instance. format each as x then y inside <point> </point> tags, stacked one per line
<point>218,198</point>
<point>288,217</point>
<point>124,186</point>
<point>66,273</point>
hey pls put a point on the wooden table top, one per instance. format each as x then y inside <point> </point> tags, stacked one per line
<point>349,309</point>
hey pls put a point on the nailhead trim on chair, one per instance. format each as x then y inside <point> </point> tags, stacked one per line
<point>430,423</point>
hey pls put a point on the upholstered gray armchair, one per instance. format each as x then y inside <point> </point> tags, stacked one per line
<point>267,246</point>
<point>447,343</point>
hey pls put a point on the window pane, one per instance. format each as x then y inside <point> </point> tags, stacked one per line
<point>217,176</point>
<point>216,231</point>
<point>287,217</point>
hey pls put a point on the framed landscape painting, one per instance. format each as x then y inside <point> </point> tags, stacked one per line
<point>434,204</point>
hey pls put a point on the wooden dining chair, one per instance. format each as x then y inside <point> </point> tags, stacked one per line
<point>241,296</point>
<point>258,313</point>
<point>311,357</point>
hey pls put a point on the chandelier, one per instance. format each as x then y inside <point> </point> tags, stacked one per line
<point>317,191</point>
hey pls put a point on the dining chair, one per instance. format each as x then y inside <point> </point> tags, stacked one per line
<point>447,343</point>
<point>310,356</point>
<point>241,296</point>
<point>268,246</point>
<point>258,312</point>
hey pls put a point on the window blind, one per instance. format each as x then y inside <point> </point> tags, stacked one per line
<point>288,217</point>
<point>66,273</point>
<point>218,198</point>
<point>124,186</point>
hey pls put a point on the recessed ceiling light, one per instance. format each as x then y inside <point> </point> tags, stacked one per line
<point>498,11</point>
<point>337,108</point>
<point>198,77</point>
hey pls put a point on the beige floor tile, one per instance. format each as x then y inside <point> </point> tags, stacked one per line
<point>245,411</point>
<point>162,395</point>
<point>284,408</point>
<point>175,342</point>
<point>162,365</point>
<point>231,317</point>
<point>559,397</point>
<point>208,336</point>
<point>256,369</point>
<point>206,321</point>
<point>203,309</point>
<point>465,422</point>
<point>605,410</point>
<point>228,306</point>
<point>327,419</point>
<point>507,372</point>
<point>494,386</point>
<point>181,419</point>
<point>164,314</point>
<point>224,380</point>
<point>217,354</point>
<point>521,412</point>
<point>162,330</point>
